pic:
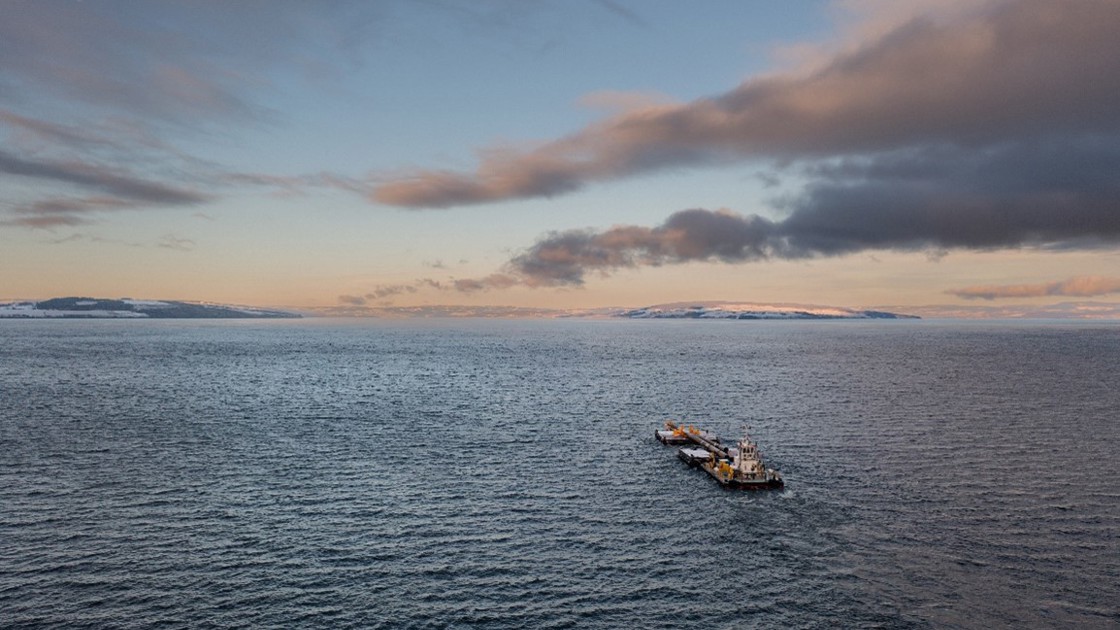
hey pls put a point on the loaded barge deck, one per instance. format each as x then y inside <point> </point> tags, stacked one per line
<point>739,466</point>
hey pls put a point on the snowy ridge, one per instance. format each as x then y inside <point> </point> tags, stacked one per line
<point>734,310</point>
<point>26,310</point>
<point>128,308</point>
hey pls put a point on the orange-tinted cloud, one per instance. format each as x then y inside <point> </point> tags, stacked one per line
<point>1082,286</point>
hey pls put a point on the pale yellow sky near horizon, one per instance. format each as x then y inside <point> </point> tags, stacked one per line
<point>856,281</point>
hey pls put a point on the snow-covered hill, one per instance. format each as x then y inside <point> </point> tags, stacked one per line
<point>735,310</point>
<point>133,309</point>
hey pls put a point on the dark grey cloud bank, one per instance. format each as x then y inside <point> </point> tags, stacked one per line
<point>1061,193</point>
<point>1054,193</point>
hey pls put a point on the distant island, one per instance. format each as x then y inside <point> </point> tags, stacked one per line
<point>128,308</point>
<point>678,310</point>
<point>734,310</point>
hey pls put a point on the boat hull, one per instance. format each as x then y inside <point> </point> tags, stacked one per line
<point>771,484</point>
<point>734,483</point>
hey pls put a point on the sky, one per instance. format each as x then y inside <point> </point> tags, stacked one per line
<point>950,157</point>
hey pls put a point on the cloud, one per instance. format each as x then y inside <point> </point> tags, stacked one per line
<point>53,132</point>
<point>617,101</point>
<point>1045,195</point>
<point>1082,286</point>
<point>472,285</point>
<point>1053,193</point>
<point>92,176</point>
<point>1060,310</point>
<point>187,64</point>
<point>1005,72</point>
<point>296,184</point>
<point>92,238</point>
<point>175,242</point>
<point>623,12</point>
<point>384,291</point>
<point>82,52</point>
<point>115,190</point>
<point>45,222</point>
<point>980,130</point>
<point>564,258</point>
<point>98,98</point>
<point>51,213</point>
<point>388,290</point>
<point>122,172</point>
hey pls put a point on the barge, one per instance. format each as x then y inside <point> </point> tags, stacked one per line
<point>740,466</point>
<point>679,434</point>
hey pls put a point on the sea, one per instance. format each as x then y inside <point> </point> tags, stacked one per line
<point>479,473</point>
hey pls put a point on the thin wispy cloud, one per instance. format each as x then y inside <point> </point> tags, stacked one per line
<point>386,293</point>
<point>485,283</point>
<point>176,242</point>
<point>83,237</point>
<point>179,63</point>
<point>383,293</point>
<point>51,213</point>
<point>44,221</point>
<point>623,12</point>
<point>1081,286</point>
<point>300,184</point>
<point>48,132</point>
<point>79,188</point>
<point>95,102</point>
<point>88,175</point>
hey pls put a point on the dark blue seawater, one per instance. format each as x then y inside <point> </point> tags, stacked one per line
<point>503,474</point>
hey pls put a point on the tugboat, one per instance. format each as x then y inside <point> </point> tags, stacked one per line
<point>740,467</point>
<point>743,468</point>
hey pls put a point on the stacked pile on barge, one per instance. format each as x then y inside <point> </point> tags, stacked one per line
<point>740,466</point>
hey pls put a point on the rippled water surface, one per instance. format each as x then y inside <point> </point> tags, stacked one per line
<point>504,474</point>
